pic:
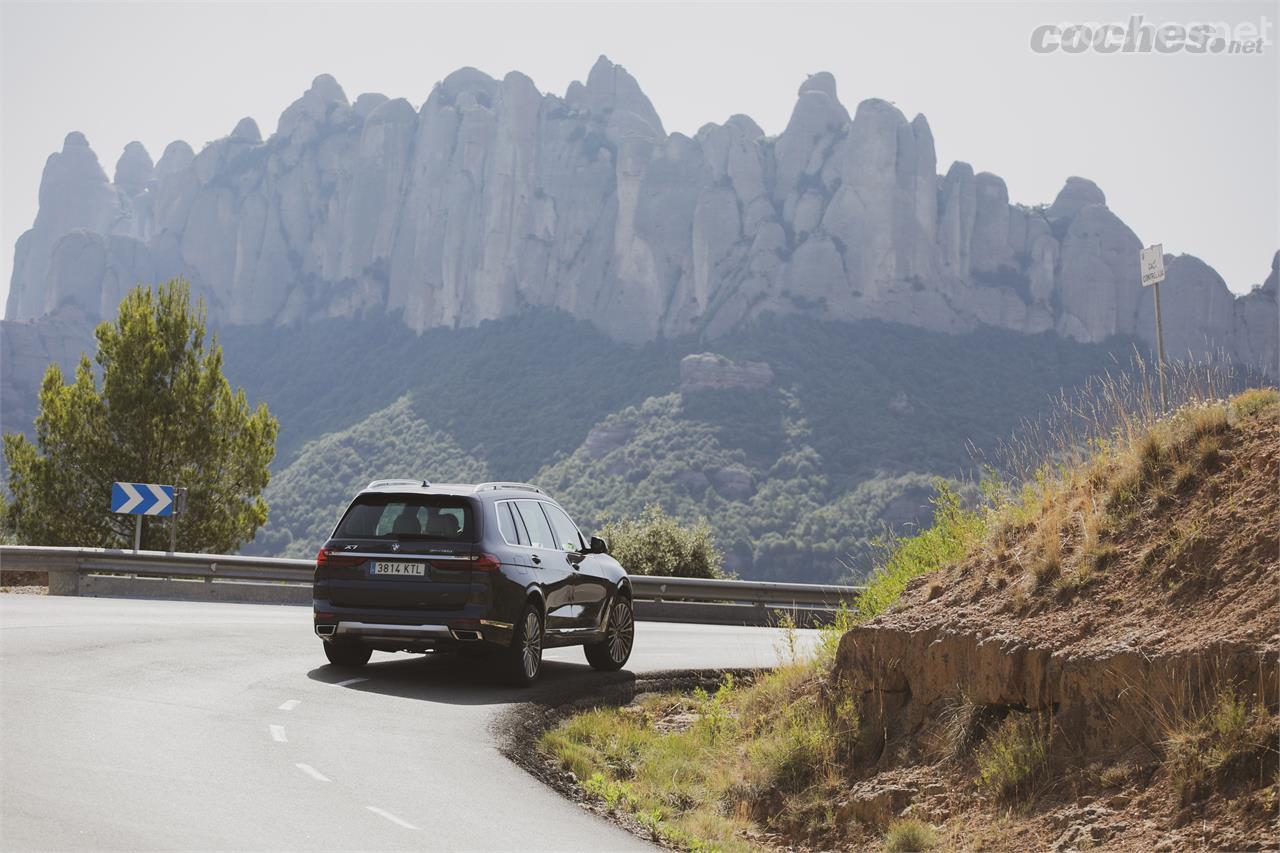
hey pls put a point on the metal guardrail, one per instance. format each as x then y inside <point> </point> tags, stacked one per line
<point>39,558</point>
<point>653,588</point>
<point>67,565</point>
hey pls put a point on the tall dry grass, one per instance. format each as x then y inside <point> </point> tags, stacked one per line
<point>1117,408</point>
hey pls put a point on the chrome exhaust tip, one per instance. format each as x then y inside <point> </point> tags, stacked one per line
<point>466,635</point>
<point>326,630</point>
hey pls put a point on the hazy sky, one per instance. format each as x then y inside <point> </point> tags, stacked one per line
<point>1184,146</point>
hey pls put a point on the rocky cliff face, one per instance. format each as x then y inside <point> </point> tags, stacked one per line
<point>494,197</point>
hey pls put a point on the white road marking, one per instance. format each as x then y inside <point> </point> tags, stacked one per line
<point>290,705</point>
<point>389,816</point>
<point>277,734</point>
<point>351,681</point>
<point>312,772</point>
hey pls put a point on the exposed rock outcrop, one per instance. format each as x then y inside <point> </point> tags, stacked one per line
<point>494,197</point>
<point>708,371</point>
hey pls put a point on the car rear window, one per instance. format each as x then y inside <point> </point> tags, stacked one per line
<point>442,517</point>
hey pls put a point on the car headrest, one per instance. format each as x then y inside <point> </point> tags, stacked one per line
<point>444,526</point>
<point>407,522</point>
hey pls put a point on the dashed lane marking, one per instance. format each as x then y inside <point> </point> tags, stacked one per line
<point>277,734</point>
<point>290,705</point>
<point>312,772</point>
<point>349,682</point>
<point>389,816</point>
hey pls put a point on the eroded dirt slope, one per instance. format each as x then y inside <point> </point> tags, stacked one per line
<point>1117,690</point>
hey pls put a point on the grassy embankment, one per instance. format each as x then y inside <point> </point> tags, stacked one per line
<point>758,765</point>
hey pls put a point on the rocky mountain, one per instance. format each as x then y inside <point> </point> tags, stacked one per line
<point>494,198</point>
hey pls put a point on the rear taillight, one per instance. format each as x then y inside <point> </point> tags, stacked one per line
<point>485,563</point>
<point>327,559</point>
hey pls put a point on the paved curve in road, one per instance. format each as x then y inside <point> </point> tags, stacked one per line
<point>143,725</point>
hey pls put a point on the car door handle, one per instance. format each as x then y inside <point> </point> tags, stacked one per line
<point>536,560</point>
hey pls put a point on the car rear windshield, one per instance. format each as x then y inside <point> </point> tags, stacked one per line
<point>441,517</point>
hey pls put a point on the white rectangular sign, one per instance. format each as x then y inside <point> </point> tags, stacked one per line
<point>1152,264</point>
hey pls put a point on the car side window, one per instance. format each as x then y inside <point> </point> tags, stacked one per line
<point>567,536</point>
<point>535,523</point>
<point>506,524</point>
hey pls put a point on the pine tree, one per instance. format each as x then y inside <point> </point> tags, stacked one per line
<point>157,409</point>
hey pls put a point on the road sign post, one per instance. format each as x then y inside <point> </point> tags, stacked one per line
<point>139,499</point>
<point>179,504</point>
<point>1151,263</point>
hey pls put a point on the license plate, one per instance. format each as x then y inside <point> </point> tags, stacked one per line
<point>416,569</point>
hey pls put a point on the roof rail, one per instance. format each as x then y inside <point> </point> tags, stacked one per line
<point>526,487</point>
<point>378,484</point>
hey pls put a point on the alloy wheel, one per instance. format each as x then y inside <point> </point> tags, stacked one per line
<point>622,631</point>
<point>531,654</point>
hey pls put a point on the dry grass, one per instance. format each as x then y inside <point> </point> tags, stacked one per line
<point>961,726</point>
<point>910,835</point>
<point>1117,408</point>
<point>1103,458</point>
<point>1116,775</point>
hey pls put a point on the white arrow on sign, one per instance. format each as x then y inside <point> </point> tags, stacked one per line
<point>135,498</point>
<point>162,500</point>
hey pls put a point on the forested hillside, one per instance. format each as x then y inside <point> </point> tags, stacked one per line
<point>308,496</point>
<point>798,470</point>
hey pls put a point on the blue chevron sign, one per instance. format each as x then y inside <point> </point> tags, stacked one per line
<point>141,499</point>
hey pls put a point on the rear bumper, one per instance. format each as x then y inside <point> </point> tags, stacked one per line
<point>398,630</point>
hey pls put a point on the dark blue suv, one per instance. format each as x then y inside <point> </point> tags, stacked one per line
<point>497,570</point>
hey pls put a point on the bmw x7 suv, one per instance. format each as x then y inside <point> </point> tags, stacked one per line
<point>497,570</point>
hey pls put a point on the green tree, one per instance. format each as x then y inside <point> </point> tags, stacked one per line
<point>164,414</point>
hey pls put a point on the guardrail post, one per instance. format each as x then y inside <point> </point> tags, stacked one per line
<point>64,582</point>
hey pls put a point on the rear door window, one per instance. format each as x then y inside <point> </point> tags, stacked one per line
<point>441,517</point>
<point>567,536</point>
<point>540,535</point>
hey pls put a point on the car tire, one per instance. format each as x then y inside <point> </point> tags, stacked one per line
<point>612,653</point>
<point>522,660</point>
<point>347,654</point>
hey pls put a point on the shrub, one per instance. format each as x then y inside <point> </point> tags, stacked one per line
<point>910,835</point>
<point>1251,403</point>
<point>1234,737</point>
<point>1013,757</point>
<point>656,544</point>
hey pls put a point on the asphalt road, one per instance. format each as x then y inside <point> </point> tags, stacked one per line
<point>153,725</point>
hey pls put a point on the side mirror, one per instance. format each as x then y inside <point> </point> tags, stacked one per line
<point>598,546</point>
